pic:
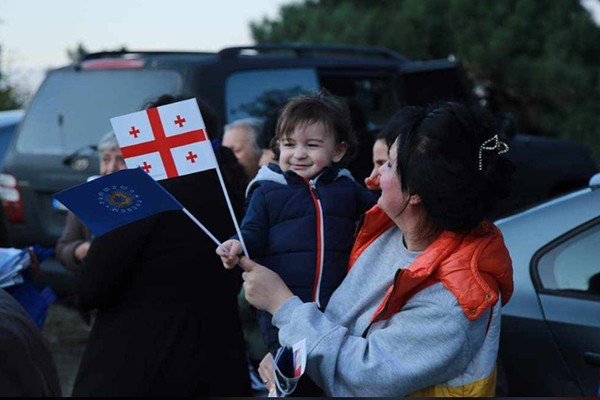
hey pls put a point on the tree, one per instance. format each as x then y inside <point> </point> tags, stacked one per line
<point>78,53</point>
<point>10,98</point>
<point>537,59</point>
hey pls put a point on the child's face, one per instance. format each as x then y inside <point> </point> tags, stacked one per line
<point>309,149</point>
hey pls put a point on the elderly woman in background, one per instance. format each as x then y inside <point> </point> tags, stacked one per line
<point>419,311</point>
<point>74,243</point>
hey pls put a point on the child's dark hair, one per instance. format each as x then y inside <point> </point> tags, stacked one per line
<point>438,159</point>
<point>322,108</point>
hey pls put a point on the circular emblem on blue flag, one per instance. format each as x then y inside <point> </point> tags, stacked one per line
<point>119,199</point>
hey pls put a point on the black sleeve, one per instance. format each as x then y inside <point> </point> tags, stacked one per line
<point>112,257</point>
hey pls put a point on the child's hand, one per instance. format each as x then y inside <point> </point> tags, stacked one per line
<point>230,252</point>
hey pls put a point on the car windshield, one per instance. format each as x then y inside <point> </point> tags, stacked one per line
<point>258,93</point>
<point>73,109</point>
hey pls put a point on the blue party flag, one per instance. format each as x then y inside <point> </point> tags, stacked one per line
<point>118,199</point>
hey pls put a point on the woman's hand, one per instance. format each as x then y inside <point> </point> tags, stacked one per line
<point>264,288</point>
<point>266,371</point>
<point>35,262</point>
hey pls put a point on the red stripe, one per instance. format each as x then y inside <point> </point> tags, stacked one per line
<point>162,143</point>
<point>319,249</point>
<point>173,141</point>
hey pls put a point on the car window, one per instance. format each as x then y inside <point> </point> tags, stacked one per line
<point>6,134</point>
<point>573,265</point>
<point>374,97</point>
<point>423,87</point>
<point>73,109</point>
<point>256,93</point>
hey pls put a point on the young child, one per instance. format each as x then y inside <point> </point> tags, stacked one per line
<point>302,213</point>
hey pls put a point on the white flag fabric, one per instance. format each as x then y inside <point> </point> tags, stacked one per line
<point>166,141</point>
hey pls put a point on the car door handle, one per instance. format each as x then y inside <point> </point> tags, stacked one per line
<point>592,358</point>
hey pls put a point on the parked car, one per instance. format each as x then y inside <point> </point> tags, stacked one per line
<point>550,343</point>
<point>9,120</point>
<point>73,106</point>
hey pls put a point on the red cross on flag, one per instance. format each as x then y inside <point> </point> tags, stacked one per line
<point>165,141</point>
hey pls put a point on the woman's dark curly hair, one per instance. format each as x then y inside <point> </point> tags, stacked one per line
<point>438,159</point>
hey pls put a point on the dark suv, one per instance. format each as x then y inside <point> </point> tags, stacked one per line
<point>73,107</point>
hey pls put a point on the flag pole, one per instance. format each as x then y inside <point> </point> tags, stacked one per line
<point>210,235</point>
<point>235,223</point>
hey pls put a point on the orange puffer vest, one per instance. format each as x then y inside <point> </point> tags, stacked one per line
<point>475,267</point>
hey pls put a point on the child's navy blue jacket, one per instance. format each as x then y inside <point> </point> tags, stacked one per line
<point>304,230</point>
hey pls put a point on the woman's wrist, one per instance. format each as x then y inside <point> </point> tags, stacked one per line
<point>280,298</point>
<point>283,315</point>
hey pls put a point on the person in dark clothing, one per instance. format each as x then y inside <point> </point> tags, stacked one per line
<point>5,240</point>
<point>27,368</point>
<point>167,321</point>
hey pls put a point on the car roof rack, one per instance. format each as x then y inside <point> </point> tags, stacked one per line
<point>307,50</point>
<point>143,53</point>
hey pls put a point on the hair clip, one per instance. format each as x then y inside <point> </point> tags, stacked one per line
<point>498,145</point>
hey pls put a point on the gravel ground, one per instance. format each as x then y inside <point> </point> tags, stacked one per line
<point>67,335</point>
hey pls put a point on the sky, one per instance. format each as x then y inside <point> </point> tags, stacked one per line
<point>35,34</point>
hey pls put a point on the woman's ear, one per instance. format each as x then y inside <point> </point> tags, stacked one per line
<point>414,199</point>
<point>340,151</point>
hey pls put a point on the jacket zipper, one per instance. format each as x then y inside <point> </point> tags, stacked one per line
<point>312,184</point>
<point>385,307</point>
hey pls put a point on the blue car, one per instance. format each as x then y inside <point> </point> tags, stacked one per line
<point>550,343</point>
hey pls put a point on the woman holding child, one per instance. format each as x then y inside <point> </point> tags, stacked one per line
<point>419,311</point>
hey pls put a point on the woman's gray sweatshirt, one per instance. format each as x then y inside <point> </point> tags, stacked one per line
<point>430,341</point>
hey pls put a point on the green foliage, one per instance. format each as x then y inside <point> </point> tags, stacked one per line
<point>78,53</point>
<point>10,97</point>
<point>537,59</point>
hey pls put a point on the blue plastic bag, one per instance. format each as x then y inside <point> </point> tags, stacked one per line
<point>35,301</point>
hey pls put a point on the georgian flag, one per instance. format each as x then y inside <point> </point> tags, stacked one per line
<point>166,141</point>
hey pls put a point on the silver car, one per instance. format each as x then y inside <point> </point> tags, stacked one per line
<point>550,343</point>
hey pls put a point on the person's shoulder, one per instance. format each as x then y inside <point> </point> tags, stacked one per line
<point>269,177</point>
<point>440,297</point>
